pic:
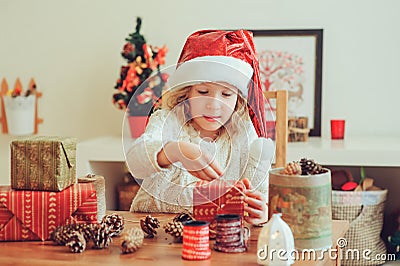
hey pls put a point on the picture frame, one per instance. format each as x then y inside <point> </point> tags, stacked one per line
<point>292,60</point>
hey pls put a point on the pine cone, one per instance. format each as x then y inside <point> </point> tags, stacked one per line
<point>115,222</point>
<point>76,242</point>
<point>309,167</point>
<point>62,233</point>
<point>149,225</point>
<point>175,229</point>
<point>292,168</point>
<point>132,240</point>
<point>183,217</point>
<point>101,236</point>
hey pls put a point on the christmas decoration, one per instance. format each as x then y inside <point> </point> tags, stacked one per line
<point>276,234</point>
<point>196,242</point>
<point>303,167</point>
<point>231,236</point>
<point>141,77</point>
<point>309,167</point>
<point>47,210</point>
<point>101,236</point>
<point>76,243</point>
<point>341,177</point>
<point>132,240</point>
<point>292,168</point>
<point>174,229</point>
<point>149,225</point>
<point>62,234</point>
<point>217,197</point>
<point>19,108</point>
<point>298,129</point>
<point>183,217</point>
<point>44,163</point>
<point>115,222</point>
<point>305,204</point>
<point>349,186</point>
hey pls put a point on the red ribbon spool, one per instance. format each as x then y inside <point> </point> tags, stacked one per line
<point>196,241</point>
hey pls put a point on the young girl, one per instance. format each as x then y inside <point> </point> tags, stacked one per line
<point>205,133</point>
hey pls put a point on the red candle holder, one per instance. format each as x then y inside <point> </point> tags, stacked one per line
<point>337,128</point>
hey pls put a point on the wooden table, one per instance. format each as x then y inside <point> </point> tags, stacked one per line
<point>157,251</point>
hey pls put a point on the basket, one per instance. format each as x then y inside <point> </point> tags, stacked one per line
<point>364,211</point>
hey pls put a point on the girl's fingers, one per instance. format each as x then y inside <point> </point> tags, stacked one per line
<point>255,194</point>
<point>253,213</point>
<point>216,168</point>
<point>210,172</point>
<point>201,175</point>
<point>246,183</point>
<point>255,203</point>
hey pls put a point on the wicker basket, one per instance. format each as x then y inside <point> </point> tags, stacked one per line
<point>364,211</point>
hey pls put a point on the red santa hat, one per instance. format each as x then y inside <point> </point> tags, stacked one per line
<point>229,56</point>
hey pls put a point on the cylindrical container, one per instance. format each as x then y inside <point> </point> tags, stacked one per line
<point>196,240</point>
<point>231,236</point>
<point>20,114</point>
<point>305,204</point>
<point>337,128</point>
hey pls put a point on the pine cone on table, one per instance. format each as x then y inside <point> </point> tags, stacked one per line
<point>62,233</point>
<point>132,240</point>
<point>101,236</point>
<point>183,217</point>
<point>115,222</point>
<point>76,242</point>
<point>149,225</point>
<point>174,229</point>
<point>292,168</point>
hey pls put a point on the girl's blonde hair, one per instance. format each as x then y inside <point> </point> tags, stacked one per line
<point>177,100</point>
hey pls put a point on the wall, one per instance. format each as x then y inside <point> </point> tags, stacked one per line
<point>72,49</point>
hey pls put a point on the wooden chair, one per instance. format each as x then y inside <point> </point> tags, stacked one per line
<point>281,127</point>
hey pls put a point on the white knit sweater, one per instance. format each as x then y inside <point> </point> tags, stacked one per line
<point>170,189</point>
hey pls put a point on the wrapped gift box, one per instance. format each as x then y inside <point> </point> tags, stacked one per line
<point>33,215</point>
<point>43,163</point>
<point>217,197</point>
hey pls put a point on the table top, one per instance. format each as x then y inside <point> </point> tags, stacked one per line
<point>160,250</point>
<point>352,151</point>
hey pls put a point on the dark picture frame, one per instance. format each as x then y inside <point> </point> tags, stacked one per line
<point>303,47</point>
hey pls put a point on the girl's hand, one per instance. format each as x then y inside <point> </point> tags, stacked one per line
<point>256,205</point>
<point>191,156</point>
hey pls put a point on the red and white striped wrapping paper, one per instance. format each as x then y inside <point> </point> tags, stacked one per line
<point>33,215</point>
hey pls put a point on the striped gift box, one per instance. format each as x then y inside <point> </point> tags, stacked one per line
<point>33,215</point>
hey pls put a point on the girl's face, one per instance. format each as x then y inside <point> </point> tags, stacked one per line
<point>211,106</point>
